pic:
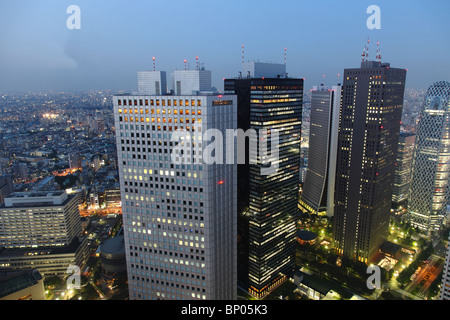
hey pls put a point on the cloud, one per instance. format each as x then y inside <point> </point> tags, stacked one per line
<point>34,57</point>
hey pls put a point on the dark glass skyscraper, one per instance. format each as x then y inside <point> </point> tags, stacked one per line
<point>268,204</point>
<point>403,169</point>
<point>369,127</point>
<point>318,189</point>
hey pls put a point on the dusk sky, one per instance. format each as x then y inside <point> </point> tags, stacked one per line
<point>119,38</point>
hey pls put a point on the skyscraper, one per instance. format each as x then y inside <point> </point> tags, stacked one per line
<point>179,213</point>
<point>268,204</point>
<point>403,167</point>
<point>318,189</point>
<point>369,127</point>
<point>431,167</point>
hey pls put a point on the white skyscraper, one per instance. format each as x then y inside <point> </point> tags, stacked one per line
<point>179,218</point>
<point>430,189</point>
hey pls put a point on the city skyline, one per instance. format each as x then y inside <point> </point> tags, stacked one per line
<point>114,166</point>
<point>116,40</point>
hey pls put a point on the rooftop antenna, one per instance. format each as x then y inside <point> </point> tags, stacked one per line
<point>378,52</point>
<point>154,67</point>
<point>196,59</point>
<point>242,54</point>
<point>367,50</point>
<point>365,54</point>
<point>285,49</point>
<point>185,64</point>
<point>339,78</point>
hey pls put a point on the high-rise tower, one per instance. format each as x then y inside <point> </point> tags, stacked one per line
<point>318,189</point>
<point>403,167</point>
<point>268,204</point>
<point>179,213</point>
<point>369,127</point>
<point>429,193</point>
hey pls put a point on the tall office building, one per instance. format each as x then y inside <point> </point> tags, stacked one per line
<point>369,127</point>
<point>268,204</point>
<point>403,167</point>
<point>179,211</point>
<point>429,193</point>
<point>318,188</point>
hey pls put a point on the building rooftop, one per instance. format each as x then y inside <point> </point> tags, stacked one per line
<point>28,252</point>
<point>13,280</point>
<point>113,246</point>
<point>390,247</point>
<point>36,199</point>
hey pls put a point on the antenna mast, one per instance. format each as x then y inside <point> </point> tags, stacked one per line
<point>242,54</point>
<point>378,52</point>
<point>154,67</point>
<point>365,54</point>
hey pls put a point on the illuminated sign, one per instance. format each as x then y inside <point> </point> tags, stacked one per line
<point>222,102</point>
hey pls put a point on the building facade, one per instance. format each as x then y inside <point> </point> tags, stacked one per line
<point>403,167</point>
<point>318,188</point>
<point>429,193</point>
<point>179,213</point>
<point>268,203</point>
<point>42,230</point>
<point>152,82</point>
<point>369,127</point>
<point>39,219</point>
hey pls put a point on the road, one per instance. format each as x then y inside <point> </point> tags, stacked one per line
<point>425,277</point>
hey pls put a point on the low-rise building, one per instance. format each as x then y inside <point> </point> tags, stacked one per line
<point>21,284</point>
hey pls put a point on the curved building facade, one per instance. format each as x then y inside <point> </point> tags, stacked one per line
<point>431,167</point>
<point>112,255</point>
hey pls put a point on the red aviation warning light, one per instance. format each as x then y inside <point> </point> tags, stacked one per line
<point>220,182</point>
